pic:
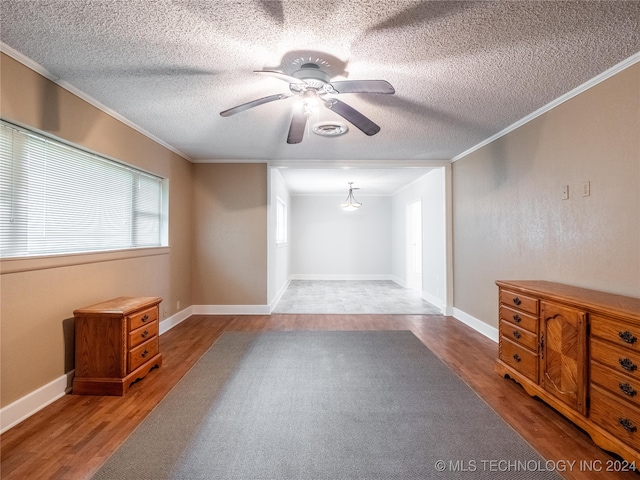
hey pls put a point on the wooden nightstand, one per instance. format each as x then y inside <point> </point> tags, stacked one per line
<point>116,344</point>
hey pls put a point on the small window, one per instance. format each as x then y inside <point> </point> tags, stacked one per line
<point>281,222</point>
<point>60,199</point>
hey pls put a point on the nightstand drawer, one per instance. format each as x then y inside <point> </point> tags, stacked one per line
<point>519,301</point>
<point>142,318</point>
<point>519,358</point>
<point>142,353</point>
<point>143,334</point>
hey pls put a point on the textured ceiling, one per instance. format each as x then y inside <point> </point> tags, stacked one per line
<point>462,71</point>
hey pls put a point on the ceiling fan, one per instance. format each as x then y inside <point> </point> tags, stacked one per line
<point>312,86</point>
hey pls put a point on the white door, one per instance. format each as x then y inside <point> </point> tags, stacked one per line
<point>414,245</point>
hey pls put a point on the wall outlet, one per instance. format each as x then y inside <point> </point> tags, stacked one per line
<point>586,189</point>
<point>565,192</point>
<point>178,305</point>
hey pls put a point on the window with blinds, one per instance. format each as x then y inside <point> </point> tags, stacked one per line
<point>281,221</point>
<point>59,199</point>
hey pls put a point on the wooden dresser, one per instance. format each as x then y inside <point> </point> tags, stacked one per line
<point>578,350</point>
<point>116,344</point>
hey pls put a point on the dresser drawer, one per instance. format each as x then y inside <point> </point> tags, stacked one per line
<point>523,320</point>
<point>619,359</point>
<point>624,334</point>
<point>519,335</point>
<point>143,334</point>
<point>616,416</point>
<point>519,358</point>
<point>519,301</point>
<point>620,384</point>
<point>142,353</point>
<point>142,318</point>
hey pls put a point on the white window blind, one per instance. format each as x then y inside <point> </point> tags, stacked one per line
<point>58,199</point>
<point>281,221</point>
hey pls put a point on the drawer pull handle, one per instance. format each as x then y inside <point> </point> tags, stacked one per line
<point>628,389</point>
<point>517,318</point>
<point>517,301</point>
<point>627,364</point>
<point>627,337</point>
<point>145,318</point>
<point>627,425</point>
<point>517,334</point>
<point>516,357</point>
<point>145,353</point>
<point>145,334</point>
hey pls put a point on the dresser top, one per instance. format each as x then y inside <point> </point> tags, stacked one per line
<point>119,306</point>
<point>606,303</point>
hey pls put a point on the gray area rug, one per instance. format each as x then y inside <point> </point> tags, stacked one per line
<point>323,405</point>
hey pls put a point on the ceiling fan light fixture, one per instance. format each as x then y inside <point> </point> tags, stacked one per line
<point>329,129</point>
<point>312,75</point>
<point>310,83</point>
<point>311,102</point>
<point>350,204</point>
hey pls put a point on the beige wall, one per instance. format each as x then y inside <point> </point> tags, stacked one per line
<point>230,234</point>
<point>37,304</point>
<point>510,221</point>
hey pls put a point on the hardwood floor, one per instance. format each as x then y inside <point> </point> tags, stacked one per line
<point>71,438</point>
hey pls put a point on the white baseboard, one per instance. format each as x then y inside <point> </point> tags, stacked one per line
<point>179,317</point>
<point>398,280</point>
<point>347,276</point>
<point>24,407</point>
<point>278,296</point>
<point>433,300</point>
<point>231,310</point>
<point>478,325</point>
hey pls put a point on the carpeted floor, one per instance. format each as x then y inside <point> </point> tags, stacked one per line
<point>352,297</point>
<point>323,405</point>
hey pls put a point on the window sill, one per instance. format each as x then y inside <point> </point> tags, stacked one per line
<point>26,264</point>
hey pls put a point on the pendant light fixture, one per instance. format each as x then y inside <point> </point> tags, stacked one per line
<point>351,204</point>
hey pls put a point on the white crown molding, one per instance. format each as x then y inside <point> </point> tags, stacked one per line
<point>230,160</point>
<point>326,163</point>
<point>554,103</point>
<point>36,67</point>
<point>355,164</point>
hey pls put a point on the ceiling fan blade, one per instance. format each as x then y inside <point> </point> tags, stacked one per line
<point>254,103</point>
<point>353,116</point>
<point>362,86</point>
<point>281,76</point>
<point>298,124</point>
